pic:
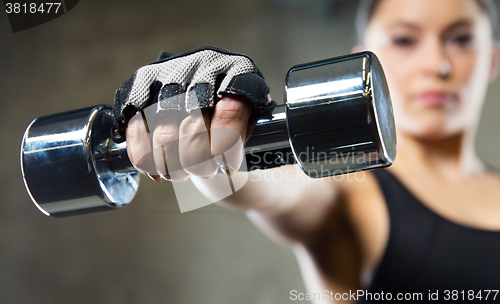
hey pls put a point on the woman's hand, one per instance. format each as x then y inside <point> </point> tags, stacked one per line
<point>175,146</point>
<point>190,114</point>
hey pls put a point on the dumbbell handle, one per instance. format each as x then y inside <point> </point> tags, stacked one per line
<point>268,135</point>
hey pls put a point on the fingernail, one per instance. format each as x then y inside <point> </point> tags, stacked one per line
<point>167,178</point>
<point>225,169</point>
<point>155,178</point>
<point>210,176</point>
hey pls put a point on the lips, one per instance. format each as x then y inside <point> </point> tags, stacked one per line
<point>433,98</point>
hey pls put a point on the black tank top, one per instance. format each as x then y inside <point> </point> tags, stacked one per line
<point>426,253</point>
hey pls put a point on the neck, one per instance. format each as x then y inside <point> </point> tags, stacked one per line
<point>452,157</point>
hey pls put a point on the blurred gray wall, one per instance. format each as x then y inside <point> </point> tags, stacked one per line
<point>149,252</point>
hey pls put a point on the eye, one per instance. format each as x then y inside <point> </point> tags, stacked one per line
<point>462,40</point>
<point>403,41</point>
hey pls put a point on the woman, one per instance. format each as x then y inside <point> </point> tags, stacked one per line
<point>429,225</point>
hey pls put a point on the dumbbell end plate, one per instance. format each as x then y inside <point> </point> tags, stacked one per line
<point>339,115</point>
<point>66,165</point>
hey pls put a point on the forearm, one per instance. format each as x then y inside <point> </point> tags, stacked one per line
<point>269,190</point>
<point>272,191</point>
<point>285,204</point>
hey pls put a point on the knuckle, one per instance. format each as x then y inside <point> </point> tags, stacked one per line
<point>192,125</point>
<point>134,132</point>
<point>230,109</point>
<point>165,135</point>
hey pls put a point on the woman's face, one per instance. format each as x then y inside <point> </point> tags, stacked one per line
<point>438,57</point>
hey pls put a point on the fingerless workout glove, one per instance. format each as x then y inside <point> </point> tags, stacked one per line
<point>192,80</point>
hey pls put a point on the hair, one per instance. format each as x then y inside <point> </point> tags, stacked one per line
<point>367,8</point>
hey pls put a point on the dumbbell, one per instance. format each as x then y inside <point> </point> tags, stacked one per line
<point>336,118</point>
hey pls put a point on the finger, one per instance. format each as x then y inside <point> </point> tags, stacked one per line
<point>143,78</point>
<point>166,146</point>
<point>228,131</point>
<point>139,145</point>
<point>194,146</point>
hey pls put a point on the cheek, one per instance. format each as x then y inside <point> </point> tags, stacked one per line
<point>466,69</point>
<point>398,73</point>
<point>472,75</point>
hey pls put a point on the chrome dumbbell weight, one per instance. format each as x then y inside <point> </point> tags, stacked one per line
<point>336,118</point>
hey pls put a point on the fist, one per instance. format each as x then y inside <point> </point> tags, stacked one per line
<point>190,114</point>
<point>173,146</point>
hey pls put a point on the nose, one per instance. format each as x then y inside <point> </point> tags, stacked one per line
<point>434,59</point>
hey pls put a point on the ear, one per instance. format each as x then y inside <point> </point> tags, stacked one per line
<point>495,61</point>
<point>358,48</point>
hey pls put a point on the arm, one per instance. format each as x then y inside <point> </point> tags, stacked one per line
<point>180,127</point>
<point>283,202</point>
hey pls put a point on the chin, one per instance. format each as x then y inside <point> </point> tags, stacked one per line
<point>431,129</point>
